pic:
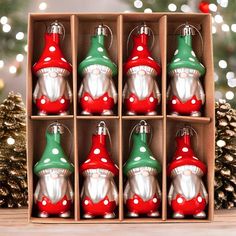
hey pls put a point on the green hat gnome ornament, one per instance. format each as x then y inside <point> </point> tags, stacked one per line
<point>97,93</point>
<point>54,193</point>
<point>185,94</point>
<point>142,194</point>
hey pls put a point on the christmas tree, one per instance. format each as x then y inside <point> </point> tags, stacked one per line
<point>13,170</point>
<point>224,35</point>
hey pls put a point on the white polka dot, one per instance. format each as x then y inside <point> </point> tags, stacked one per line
<point>104,160</point>
<point>64,203</point>
<point>44,202</point>
<point>63,159</point>
<point>106,202</point>
<point>177,158</point>
<point>151,58</point>
<point>47,59</point>
<point>177,59</point>
<point>62,100</point>
<point>154,200</point>
<point>86,202</point>
<point>142,149</point>
<point>137,158</point>
<point>46,160</point>
<point>43,101</point>
<point>195,158</point>
<point>193,101</point>
<point>199,199</point>
<point>151,157</point>
<point>100,49</point>
<point>135,201</point>
<point>96,151</point>
<point>151,99</point>
<point>140,48</point>
<point>131,99</point>
<point>193,53</point>
<point>88,57</point>
<point>179,200</point>
<point>63,59</point>
<point>134,58</point>
<point>105,57</point>
<point>52,49</point>
<point>105,99</point>
<point>176,52</point>
<point>174,101</point>
<point>86,98</point>
<point>55,151</point>
<point>185,149</point>
<point>87,161</point>
<point>191,59</point>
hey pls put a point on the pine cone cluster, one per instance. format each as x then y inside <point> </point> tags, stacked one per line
<point>225,162</point>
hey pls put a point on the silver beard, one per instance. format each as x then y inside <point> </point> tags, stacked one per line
<point>143,186</point>
<point>99,186</point>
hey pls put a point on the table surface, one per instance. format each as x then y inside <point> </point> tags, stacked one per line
<point>14,222</point>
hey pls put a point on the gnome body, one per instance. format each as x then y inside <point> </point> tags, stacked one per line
<point>54,193</point>
<point>141,94</point>
<point>99,193</point>
<point>185,93</point>
<point>187,194</point>
<point>97,93</point>
<point>142,194</point>
<point>52,93</point>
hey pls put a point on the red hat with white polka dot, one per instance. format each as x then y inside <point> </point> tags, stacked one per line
<point>184,155</point>
<point>52,55</point>
<point>140,55</point>
<point>99,157</point>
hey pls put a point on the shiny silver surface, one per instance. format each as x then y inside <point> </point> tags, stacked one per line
<point>185,84</point>
<point>143,182</point>
<point>144,29</point>
<point>53,84</point>
<point>54,184</point>
<point>56,28</point>
<point>187,30</point>
<point>143,127</point>
<point>98,184</point>
<point>101,30</point>
<point>141,82</point>
<point>97,81</point>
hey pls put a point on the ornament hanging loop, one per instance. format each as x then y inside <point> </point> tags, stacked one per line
<point>141,29</point>
<point>103,130</point>
<point>188,29</point>
<point>56,27</point>
<point>103,29</point>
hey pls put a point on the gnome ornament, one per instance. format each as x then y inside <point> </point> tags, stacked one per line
<point>185,94</point>
<point>141,94</point>
<point>99,193</point>
<point>187,194</point>
<point>142,194</point>
<point>54,193</point>
<point>97,93</point>
<point>52,94</point>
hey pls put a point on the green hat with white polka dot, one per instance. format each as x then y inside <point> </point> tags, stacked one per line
<point>184,56</point>
<point>98,55</point>
<point>141,155</point>
<point>53,155</point>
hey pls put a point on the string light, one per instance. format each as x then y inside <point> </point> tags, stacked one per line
<point>213,7</point>
<point>218,19</point>
<point>19,57</point>
<point>1,63</point>
<point>218,95</point>
<point>172,7</point>
<point>213,29</point>
<point>3,20</point>
<point>223,3</point>
<point>6,28</point>
<point>233,27</point>
<point>10,141</point>
<point>43,6</point>
<point>12,69</point>
<point>225,28</point>
<point>230,75</point>
<point>229,95</point>
<point>232,83</point>
<point>26,48</point>
<point>138,3</point>
<point>216,77</point>
<point>148,10</point>
<point>185,8</point>
<point>20,35</point>
<point>222,64</point>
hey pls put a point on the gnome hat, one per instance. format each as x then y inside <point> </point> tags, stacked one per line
<point>184,56</point>
<point>98,157</point>
<point>98,55</point>
<point>53,155</point>
<point>184,155</point>
<point>140,55</point>
<point>52,55</point>
<point>141,155</point>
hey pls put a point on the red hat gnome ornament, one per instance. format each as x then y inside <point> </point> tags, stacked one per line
<point>187,195</point>
<point>97,93</point>
<point>141,94</point>
<point>99,192</point>
<point>52,94</point>
<point>142,194</point>
<point>185,94</point>
<point>54,193</point>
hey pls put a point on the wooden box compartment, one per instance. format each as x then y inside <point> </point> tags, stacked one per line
<point>79,28</point>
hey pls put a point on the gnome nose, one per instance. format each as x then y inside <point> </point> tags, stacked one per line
<point>187,172</point>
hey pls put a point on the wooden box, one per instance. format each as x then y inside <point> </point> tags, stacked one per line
<point>79,28</point>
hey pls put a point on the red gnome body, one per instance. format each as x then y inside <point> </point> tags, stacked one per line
<point>99,193</point>
<point>141,94</point>
<point>187,194</point>
<point>52,94</point>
